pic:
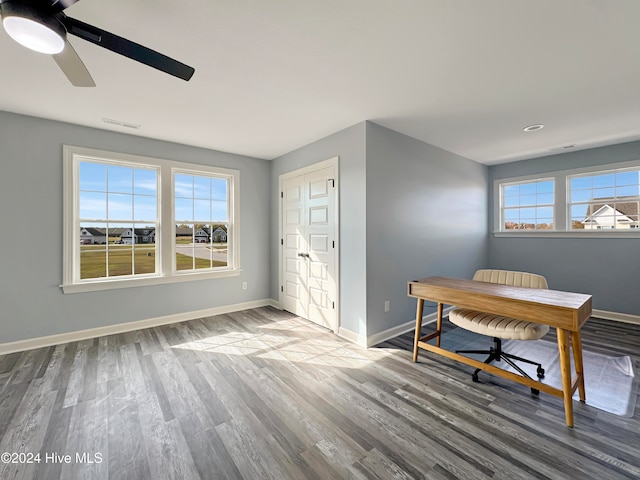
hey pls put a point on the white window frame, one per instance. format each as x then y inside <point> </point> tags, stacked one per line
<point>166,271</point>
<point>591,202</point>
<point>521,182</point>
<point>562,214</point>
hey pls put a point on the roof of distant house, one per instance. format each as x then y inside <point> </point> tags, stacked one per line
<point>96,232</point>
<point>140,231</point>
<point>217,231</point>
<point>630,209</point>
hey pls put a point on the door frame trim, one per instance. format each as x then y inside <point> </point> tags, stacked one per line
<point>333,162</point>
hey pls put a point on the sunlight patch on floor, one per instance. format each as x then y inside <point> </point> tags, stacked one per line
<point>299,341</point>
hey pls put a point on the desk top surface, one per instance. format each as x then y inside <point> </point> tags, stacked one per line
<point>553,307</point>
<point>556,298</point>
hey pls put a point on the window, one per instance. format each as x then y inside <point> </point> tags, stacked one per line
<point>584,202</point>
<point>527,205</point>
<point>117,210</point>
<point>201,217</point>
<point>133,220</point>
<point>605,200</point>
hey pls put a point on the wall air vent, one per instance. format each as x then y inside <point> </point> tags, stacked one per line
<point>120,123</point>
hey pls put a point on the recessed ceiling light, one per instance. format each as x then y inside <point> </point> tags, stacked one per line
<point>533,128</point>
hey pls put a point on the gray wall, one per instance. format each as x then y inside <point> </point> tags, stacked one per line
<point>349,145</point>
<point>606,268</point>
<point>407,210</point>
<point>33,304</point>
<point>426,215</point>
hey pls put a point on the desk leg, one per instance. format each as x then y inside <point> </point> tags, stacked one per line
<point>439,325</point>
<point>565,369</point>
<point>576,344</point>
<point>419,311</point>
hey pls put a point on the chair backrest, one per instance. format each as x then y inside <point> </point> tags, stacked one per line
<point>507,277</point>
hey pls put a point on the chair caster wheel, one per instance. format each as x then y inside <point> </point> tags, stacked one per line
<point>535,391</point>
<point>474,377</point>
<point>540,372</point>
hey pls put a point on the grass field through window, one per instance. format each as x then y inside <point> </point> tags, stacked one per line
<point>93,260</point>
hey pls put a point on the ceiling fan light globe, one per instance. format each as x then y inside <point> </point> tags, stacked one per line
<point>33,35</point>
<point>33,29</point>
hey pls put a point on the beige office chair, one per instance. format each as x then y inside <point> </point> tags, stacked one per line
<point>500,327</point>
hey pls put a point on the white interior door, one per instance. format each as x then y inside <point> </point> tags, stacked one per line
<point>296,290</point>
<point>309,271</point>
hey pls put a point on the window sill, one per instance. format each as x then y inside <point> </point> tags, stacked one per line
<point>146,281</point>
<point>567,234</point>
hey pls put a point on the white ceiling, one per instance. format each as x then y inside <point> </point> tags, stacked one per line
<point>272,76</point>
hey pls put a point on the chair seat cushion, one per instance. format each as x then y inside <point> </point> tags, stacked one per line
<point>496,325</point>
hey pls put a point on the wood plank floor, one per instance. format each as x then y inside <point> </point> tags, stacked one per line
<point>262,394</point>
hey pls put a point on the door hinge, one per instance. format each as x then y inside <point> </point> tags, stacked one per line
<point>334,305</point>
<point>333,244</point>
<point>281,194</point>
<point>282,241</point>
<point>333,182</point>
<point>281,288</point>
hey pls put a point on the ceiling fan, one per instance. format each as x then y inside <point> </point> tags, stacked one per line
<point>41,25</point>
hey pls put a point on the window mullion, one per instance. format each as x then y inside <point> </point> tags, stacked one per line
<point>167,223</point>
<point>561,207</point>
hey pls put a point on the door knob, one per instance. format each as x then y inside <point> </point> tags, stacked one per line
<point>303,255</point>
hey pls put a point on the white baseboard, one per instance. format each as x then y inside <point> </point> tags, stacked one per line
<point>39,342</point>
<point>618,317</point>
<point>404,328</point>
<point>352,337</point>
<point>275,304</point>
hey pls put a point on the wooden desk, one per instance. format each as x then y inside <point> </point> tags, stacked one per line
<point>565,311</point>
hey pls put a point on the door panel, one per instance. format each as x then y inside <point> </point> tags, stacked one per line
<point>319,233</point>
<point>296,292</point>
<point>319,216</point>
<point>309,247</point>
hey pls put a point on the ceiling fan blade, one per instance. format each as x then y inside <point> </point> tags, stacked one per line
<point>73,67</point>
<point>126,47</point>
<point>59,5</point>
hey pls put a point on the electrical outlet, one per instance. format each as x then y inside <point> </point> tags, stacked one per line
<point>387,306</point>
<point>244,285</point>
